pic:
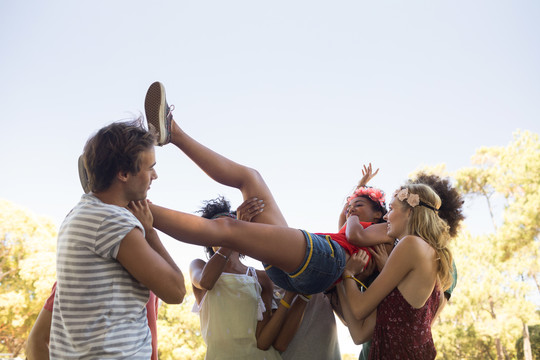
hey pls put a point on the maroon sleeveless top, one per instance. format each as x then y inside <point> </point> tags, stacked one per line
<point>403,332</point>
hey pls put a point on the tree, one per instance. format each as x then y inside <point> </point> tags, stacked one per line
<point>498,271</point>
<point>179,330</point>
<point>27,272</point>
<point>534,335</point>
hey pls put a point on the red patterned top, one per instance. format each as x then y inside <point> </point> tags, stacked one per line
<point>403,332</point>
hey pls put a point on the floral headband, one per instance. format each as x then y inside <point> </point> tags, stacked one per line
<point>412,199</point>
<point>372,193</point>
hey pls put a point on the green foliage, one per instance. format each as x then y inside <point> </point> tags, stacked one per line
<point>534,334</point>
<point>27,272</point>
<point>498,271</point>
<point>179,331</point>
<point>349,357</point>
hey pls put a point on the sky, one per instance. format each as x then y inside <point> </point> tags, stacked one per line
<point>306,92</point>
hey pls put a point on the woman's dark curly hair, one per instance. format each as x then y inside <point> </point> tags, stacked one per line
<point>214,207</point>
<point>451,209</point>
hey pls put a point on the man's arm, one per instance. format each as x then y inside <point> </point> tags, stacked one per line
<point>147,260</point>
<point>37,345</point>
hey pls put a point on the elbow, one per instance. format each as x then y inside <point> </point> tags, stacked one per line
<point>359,314</point>
<point>180,294</point>
<point>280,347</point>
<point>207,285</point>
<point>263,345</point>
<point>359,340</point>
<point>173,299</point>
<point>176,296</point>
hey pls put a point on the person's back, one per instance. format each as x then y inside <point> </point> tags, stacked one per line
<point>88,273</point>
<point>103,251</point>
<point>316,338</point>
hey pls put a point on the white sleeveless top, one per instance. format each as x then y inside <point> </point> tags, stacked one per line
<point>229,314</point>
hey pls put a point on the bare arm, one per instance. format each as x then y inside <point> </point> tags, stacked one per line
<point>367,175</point>
<point>37,345</point>
<point>442,303</point>
<point>360,330</point>
<point>147,260</point>
<point>372,235</point>
<point>401,262</point>
<point>271,326</point>
<point>291,325</point>
<point>204,275</point>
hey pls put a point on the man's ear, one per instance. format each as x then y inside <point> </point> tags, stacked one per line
<point>123,176</point>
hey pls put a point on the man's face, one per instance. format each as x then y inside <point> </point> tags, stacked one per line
<point>139,184</point>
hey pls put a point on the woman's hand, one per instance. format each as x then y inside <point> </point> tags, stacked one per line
<point>367,175</point>
<point>370,267</point>
<point>249,209</point>
<point>379,255</point>
<point>356,263</point>
<point>142,212</point>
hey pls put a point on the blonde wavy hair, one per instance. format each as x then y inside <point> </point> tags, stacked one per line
<point>425,223</point>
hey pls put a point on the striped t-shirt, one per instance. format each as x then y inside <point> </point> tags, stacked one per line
<point>99,308</point>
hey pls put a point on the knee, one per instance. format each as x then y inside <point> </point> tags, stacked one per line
<point>252,176</point>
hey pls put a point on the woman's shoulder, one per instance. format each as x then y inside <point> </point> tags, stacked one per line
<point>413,243</point>
<point>264,279</point>
<point>409,240</point>
<point>197,264</point>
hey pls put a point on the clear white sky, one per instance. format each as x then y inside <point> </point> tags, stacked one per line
<point>304,91</point>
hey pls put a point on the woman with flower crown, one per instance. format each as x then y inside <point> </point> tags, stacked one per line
<point>295,260</point>
<point>398,308</point>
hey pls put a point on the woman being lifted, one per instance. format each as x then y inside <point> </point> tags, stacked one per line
<point>295,260</point>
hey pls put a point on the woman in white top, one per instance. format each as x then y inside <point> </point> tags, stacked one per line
<point>234,300</point>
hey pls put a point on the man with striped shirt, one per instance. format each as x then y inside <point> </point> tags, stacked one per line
<point>109,256</point>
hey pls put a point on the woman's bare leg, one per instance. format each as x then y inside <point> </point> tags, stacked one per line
<point>280,246</point>
<point>263,243</point>
<point>230,173</point>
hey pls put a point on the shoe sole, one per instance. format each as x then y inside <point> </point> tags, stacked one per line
<point>154,106</point>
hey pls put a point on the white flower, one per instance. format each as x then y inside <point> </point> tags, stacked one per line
<point>413,200</point>
<point>402,194</point>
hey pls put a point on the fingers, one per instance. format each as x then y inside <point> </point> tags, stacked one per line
<point>249,209</point>
<point>370,267</point>
<point>357,262</point>
<point>377,250</point>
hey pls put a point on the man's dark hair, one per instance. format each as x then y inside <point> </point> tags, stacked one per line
<point>115,148</point>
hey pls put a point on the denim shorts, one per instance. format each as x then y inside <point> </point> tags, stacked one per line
<point>323,264</point>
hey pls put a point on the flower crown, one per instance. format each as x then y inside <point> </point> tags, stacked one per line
<point>412,199</point>
<point>372,193</point>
